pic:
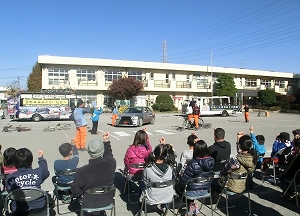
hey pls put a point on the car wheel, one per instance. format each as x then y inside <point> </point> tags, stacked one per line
<point>140,122</point>
<point>224,113</point>
<point>152,120</point>
<point>36,118</point>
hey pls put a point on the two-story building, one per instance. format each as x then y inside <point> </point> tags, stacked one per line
<point>91,78</point>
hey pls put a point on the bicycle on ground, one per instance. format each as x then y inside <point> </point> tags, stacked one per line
<point>190,125</point>
<point>10,128</point>
<point>64,126</point>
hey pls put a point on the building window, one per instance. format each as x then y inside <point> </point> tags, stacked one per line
<point>135,74</point>
<point>86,74</point>
<point>58,76</point>
<point>112,74</point>
<point>167,78</point>
<point>151,75</point>
<point>200,79</point>
<point>266,83</point>
<point>108,101</point>
<point>91,96</point>
<point>280,83</point>
<point>251,83</point>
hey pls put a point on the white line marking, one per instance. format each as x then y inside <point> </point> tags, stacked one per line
<point>121,133</point>
<point>163,132</point>
<point>149,133</point>
<point>110,134</point>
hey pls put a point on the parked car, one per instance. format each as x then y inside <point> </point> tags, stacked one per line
<point>136,116</point>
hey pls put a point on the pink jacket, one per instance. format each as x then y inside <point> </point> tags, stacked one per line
<point>135,155</point>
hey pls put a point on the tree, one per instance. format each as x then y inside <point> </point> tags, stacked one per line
<point>267,97</point>
<point>285,101</point>
<point>225,85</point>
<point>125,88</point>
<point>12,89</point>
<point>163,102</point>
<point>34,81</point>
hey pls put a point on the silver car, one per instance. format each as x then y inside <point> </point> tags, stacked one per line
<point>136,116</point>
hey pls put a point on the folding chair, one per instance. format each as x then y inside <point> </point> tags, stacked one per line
<point>241,176</point>
<point>219,166</point>
<point>293,181</point>
<point>26,195</point>
<point>202,180</point>
<point>158,185</point>
<point>59,188</point>
<point>282,152</point>
<point>100,191</point>
<point>131,179</point>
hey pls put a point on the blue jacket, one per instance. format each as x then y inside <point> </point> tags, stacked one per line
<point>277,145</point>
<point>259,148</point>
<point>79,117</point>
<point>28,177</point>
<point>195,168</point>
<point>95,116</point>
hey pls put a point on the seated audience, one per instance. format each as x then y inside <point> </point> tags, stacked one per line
<point>26,176</point>
<point>99,172</point>
<point>201,165</point>
<point>137,153</point>
<point>159,168</point>
<point>296,134</point>
<point>258,145</point>
<point>220,150</point>
<point>187,155</point>
<point>245,161</point>
<point>291,169</point>
<point>8,161</point>
<point>69,161</point>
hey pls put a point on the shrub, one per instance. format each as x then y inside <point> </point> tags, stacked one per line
<point>163,103</point>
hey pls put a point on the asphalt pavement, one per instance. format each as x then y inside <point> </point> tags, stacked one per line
<point>265,200</point>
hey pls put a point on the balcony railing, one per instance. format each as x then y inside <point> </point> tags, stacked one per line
<point>161,84</point>
<point>203,86</point>
<point>181,84</point>
<point>87,82</point>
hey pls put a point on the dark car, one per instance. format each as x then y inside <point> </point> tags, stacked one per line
<point>136,116</point>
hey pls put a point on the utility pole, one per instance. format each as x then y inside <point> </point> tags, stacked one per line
<point>211,74</point>
<point>18,83</point>
<point>164,51</point>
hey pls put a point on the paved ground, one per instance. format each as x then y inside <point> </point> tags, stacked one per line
<point>264,200</point>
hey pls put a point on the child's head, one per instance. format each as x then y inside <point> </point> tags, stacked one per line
<point>65,149</point>
<point>8,157</point>
<point>200,149</point>
<point>191,140</point>
<point>140,138</point>
<point>219,134</point>
<point>296,133</point>
<point>160,152</point>
<point>284,137</point>
<point>23,158</point>
<point>245,143</point>
<point>260,139</point>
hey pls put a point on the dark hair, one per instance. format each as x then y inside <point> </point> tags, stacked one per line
<point>245,143</point>
<point>191,140</point>
<point>219,133</point>
<point>140,138</point>
<point>260,139</point>
<point>161,152</point>
<point>23,158</point>
<point>200,149</point>
<point>297,142</point>
<point>65,149</point>
<point>79,102</point>
<point>171,156</point>
<point>8,157</point>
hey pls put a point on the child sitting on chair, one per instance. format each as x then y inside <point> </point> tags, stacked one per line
<point>159,169</point>
<point>258,145</point>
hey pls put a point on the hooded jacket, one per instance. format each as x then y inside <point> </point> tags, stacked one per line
<point>245,164</point>
<point>220,150</point>
<point>158,195</point>
<point>135,155</point>
<point>195,168</point>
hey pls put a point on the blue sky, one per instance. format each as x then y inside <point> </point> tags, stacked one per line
<point>252,34</point>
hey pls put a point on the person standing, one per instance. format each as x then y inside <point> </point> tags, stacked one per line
<point>196,114</point>
<point>246,109</point>
<point>95,119</point>
<point>115,113</point>
<point>81,123</point>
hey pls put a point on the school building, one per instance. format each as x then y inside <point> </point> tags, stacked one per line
<point>91,78</point>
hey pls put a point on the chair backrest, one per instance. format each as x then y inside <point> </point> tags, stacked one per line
<point>138,166</point>
<point>100,190</point>
<point>284,151</point>
<point>26,194</point>
<point>201,179</point>
<point>162,184</point>
<point>220,165</point>
<point>66,172</point>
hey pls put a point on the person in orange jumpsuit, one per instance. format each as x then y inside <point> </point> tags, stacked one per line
<point>246,109</point>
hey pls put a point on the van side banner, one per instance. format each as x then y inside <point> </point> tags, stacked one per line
<point>45,102</point>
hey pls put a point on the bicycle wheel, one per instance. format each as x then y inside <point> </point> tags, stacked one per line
<point>201,123</point>
<point>49,129</point>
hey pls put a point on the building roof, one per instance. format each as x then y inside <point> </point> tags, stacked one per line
<point>59,60</point>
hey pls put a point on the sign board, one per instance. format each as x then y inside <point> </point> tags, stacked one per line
<point>45,102</point>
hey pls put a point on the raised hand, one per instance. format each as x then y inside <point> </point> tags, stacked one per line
<point>162,140</point>
<point>40,153</point>
<point>106,136</point>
